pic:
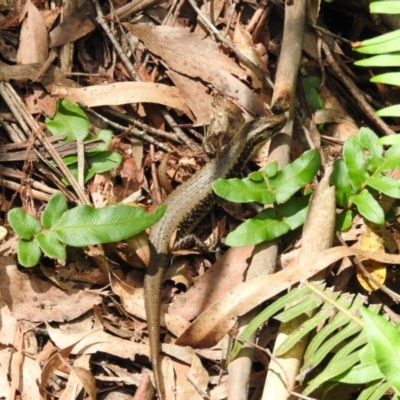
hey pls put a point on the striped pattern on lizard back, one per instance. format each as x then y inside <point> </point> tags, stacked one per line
<point>186,207</point>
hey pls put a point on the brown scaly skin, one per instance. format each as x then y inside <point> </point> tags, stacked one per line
<point>186,206</point>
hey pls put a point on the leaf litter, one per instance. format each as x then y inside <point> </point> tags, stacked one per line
<point>84,323</point>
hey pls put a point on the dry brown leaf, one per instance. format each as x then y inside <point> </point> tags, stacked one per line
<point>83,377</point>
<point>125,93</point>
<point>90,342</point>
<point>49,16</point>
<point>217,320</point>
<point>30,375</point>
<point>176,324</point>
<point>169,377</point>
<point>184,354</point>
<point>217,6</point>
<point>186,53</point>
<point>223,276</point>
<point>30,71</point>
<point>197,374</point>
<point>195,94</point>
<point>8,324</point>
<point>74,384</point>
<point>139,245</point>
<point>243,42</point>
<point>5,359</point>
<point>179,272</point>
<point>75,26</point>
<point>54,362</point>
<point>39,101</point>
<point>33,47</point>
<point>131,298</point>
<point>34,299</point>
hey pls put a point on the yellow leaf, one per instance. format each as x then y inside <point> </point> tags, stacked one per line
<point>372,240</point>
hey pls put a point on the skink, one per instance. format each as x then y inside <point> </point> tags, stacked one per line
<point>186,206</point>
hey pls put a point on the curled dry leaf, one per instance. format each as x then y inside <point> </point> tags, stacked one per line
<point>125,93</point>
<point>243,41</point>
<point>80,377</point>
<point>91,341</point>
<point>51,366</point>
<point>217,320</point>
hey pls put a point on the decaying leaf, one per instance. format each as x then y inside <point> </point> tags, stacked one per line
<point>370,240</point>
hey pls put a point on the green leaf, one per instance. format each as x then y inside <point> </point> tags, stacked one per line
<point>243,190</point>
<point>51,246</point>
<point>294,211</point>
<point>295,175</point>
<point>28,253</point>
<point>311,87</point>
<point>23,224</point>
<point>306,305</point>
<point>386,185</point>
<point>383,60</point>
<point>104,135</point>
<point>386,43</point>
<point>102,162</point>
<point>390,139</point>
<point>391,159</point>
<point>263,185</point>
<point>368,207</point>
<point>69,120</point>
<point>391,111</point>
<point>353,156</point>
<point>85,225</point>
<point>385,340</point>
<point>392,152</point>
<point>54,210</point>
<point>97,164</point>
<point>262,228</point>
<point>385,7</point>
<point>69,160</point>
<point>388,78</point>
<point>340,178</point>
<point>366,371</point>
<point>288,298</point>
<point>271,169</point>
<point>369,142</point>
<point>376,391</point>
<point>344,220</point>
